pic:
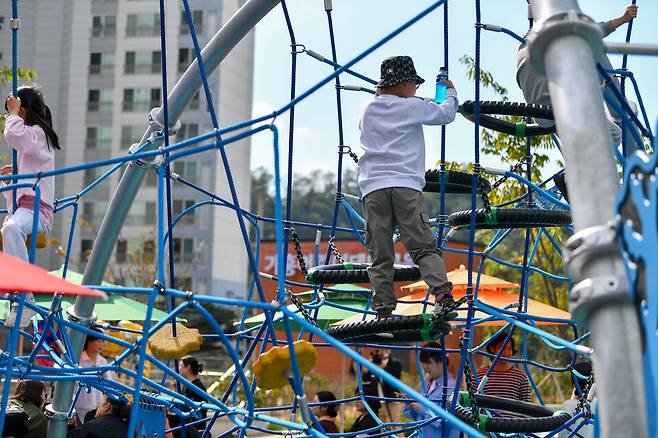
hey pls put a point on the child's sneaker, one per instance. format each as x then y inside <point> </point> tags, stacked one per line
<point>26,316</point>
<point>381,314</point>
<point>445,308</point>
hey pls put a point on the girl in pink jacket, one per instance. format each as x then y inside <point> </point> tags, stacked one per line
<point>28,129</point>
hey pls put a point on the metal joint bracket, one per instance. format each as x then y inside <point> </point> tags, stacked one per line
<point>52,414</point>
<point>559,25</point>
<point>158,125</point>
<point>147,163</point>
<point>83,320</point>
<point>582,248</point>
<point>594,292</point>
<point>14,23</point>
<point>588,244</point>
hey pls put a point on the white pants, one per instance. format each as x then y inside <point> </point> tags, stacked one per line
<point>15,230</point>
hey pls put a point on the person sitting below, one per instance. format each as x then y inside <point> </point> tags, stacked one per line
<point>326,414</point>
<point>91,357</point>
<point>365,421</point>
<point>504,380</point>
<point>579,384</point>
<point>30,398</point>
<point>432,364</point>
<point>111,421</point>
<point>390,410</point>
<point>190,368</point>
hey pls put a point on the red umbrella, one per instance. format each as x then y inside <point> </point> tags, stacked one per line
<point>19,276</point>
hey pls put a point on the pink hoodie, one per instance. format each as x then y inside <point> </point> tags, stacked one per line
<point>34,156</point>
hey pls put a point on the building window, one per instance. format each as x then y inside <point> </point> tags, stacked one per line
<point>179,206</point>
<point>93,100</point>
<point>143,25</point>
<point>187,170</point>
<point>130,135</point>
<point>94,173</point>
<point>101,63</point>
<point>140,99</point>
<point>85,249</point>
<point>183,250</point>
<point>142,213</point>
<point>88,211</point>
<point>197,19</point>
<point>195,102</point>
<point>103,26</point>
<point>185,58</point>
<point>142,62</point>
<point>99,137</point>
<point>2,21</point>
<point>148,249</point>
<point>93,212</point>
<point>187,130</point>
<point>151,178</point>
<point>151,213</point>
<point>121,255</point>
<point>183,283</point>
<point>99,101</point>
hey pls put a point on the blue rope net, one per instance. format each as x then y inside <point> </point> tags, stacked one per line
<point>238,404</point>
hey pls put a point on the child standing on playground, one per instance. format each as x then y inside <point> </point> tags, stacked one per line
<point>392,177</point>
<point>29,130</point>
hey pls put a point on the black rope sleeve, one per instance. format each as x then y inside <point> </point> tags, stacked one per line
<point>355,273</point>
<point>511,218</point>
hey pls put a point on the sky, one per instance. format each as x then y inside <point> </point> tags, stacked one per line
<point>358,24</point>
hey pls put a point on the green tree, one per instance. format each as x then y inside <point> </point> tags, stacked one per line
<point>6,77</point>
<point>510,150</point>
<point>314,197</point>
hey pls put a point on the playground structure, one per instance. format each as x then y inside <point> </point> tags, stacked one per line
<point>610,255</point>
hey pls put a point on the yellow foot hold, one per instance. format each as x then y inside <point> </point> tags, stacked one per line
<point>165,346</point>
<point>272,368</point>
<point>41,241</point>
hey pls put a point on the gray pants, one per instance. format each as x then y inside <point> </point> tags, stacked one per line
<point>405,208</point>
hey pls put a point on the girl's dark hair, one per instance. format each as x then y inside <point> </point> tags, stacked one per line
<point>119,408</point>
<point>91,338</point>
<point>494,344</point>
<point>30,391</point>
<point>193,363</point>
<point>370,391</point>
<point>37,113</point>
<point>327,396</point>
<point>426,355</point>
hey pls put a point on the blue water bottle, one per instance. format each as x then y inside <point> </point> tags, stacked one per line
<point>441,87</point>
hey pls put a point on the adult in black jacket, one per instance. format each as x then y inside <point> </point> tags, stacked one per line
<point>366,421</point>
<point>111,421</point>
<point>391,411</point>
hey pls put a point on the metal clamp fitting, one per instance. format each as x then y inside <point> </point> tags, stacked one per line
<point>146,162</point>
<point>158,125</point>
<point>593,292</point>
<point>589,244</point>
<point>14,23</point>
<point>581,249</point>
<point>559,25</point>
<point>85,321</point>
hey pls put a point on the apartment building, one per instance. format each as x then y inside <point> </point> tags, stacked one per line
<point>99,66</point>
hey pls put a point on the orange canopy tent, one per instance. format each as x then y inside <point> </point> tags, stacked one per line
<point>19,276</point>
<point>459,280</point>
<point>490,292</point>
<point>498,299</point>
